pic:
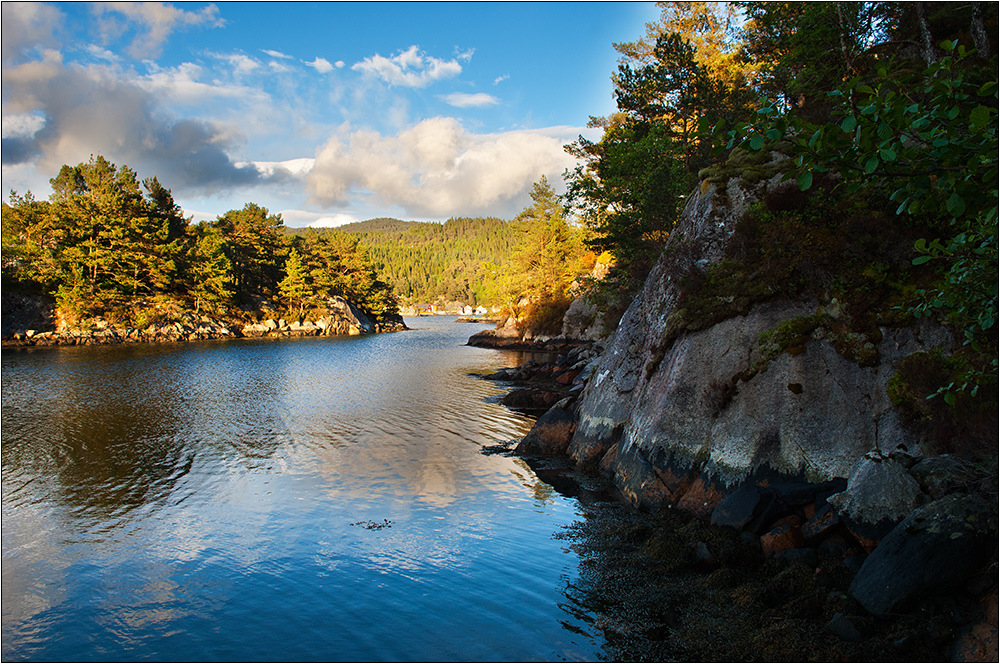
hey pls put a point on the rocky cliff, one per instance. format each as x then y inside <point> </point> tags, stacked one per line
<point>776,410</point>
<point>668,404</point>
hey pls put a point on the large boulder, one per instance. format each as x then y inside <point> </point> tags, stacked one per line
<point>936,546</point>
<point>879,494</point>
<point>551,433</point>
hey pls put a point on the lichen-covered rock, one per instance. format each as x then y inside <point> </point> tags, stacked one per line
<point>937,545</point>
<point>879,494</point>
<point>718,402</point>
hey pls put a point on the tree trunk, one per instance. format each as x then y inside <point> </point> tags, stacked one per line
<point>979,37</point>
<point>927,43</point>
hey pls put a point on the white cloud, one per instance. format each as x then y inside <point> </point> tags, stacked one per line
<point>467,100</point>
<point>279,67</point>
<point>242,64</point>
<point>276,54</point>
<point>438,169</point>
<point>321,65</point>
<point>410,68</point>
<point>181,84</point>
<point>28,26</point>
<point>159,20</point>
<point>22,125</point>
<point>340,64</point>
<point>328,221</point>
<point>499,79</point>
<point>94,110</point>
<point>301,218</point>
<point>295,167</point>
<point>100,53</point>
<point>464,55</point>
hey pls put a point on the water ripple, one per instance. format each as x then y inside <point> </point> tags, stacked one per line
<point>196,500</point>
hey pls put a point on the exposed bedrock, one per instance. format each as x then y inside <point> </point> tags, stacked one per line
<point>668,411</point>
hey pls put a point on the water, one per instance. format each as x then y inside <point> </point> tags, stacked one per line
<point>312,499</point>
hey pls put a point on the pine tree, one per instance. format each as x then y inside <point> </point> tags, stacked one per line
<point>295,286</point>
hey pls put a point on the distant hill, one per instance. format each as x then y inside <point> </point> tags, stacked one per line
<point>426,260</point>
<point>379,225</point>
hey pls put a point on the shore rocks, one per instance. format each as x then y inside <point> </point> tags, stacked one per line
<point>344,319</point>
<point>879,494</point>
<point>551,433</point>
<point>941,543</point>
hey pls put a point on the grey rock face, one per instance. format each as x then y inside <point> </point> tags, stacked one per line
<point>880,494</point>
<point>815,413</point>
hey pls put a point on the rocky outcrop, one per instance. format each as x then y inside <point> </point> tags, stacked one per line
<point>714,402</point>
<point>760,419</point>
<point>344,318</point>
<point>942,543</point>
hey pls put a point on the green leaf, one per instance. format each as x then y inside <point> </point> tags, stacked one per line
<point>980,116</point>
<point>773,134</point>
<point>805,181</point>
<point>756,142</point>
<point>920,245</point>
<point>871,165</point>
<point>848,124</point>
<point>920,260</point>
<point>955,205</point>
<point>949,398</point>
<point>815,137</point>
<point>887,155</point>
<point>987,88</point>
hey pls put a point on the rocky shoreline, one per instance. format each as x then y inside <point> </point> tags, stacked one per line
<point>343,318</point>
<point>906,547</point>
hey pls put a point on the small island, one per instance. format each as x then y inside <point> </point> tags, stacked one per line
<point>108,259</point>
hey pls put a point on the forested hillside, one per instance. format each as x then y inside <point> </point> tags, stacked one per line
<point>423,261</point>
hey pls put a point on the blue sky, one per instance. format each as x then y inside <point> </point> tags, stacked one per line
<point>325,112</point>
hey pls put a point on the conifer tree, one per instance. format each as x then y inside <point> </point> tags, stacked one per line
<point>295,286</point>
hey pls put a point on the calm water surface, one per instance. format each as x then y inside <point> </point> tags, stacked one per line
<point>215,501</point>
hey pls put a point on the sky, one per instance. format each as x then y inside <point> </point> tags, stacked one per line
<point>325,112</point>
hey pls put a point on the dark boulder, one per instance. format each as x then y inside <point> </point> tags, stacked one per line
<point>944,474</point>
<point>747,508</point>
<point>551,433</point>
<point>937,545</point>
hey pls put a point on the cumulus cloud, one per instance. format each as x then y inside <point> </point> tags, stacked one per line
<point>241,64</point>
<point>467,100</point>
<point>28,26</point>
<point>158,20</point>
<point>331,220</point>
<point>321,65</point>
<point>438,169</point>
<point>410,68</point>
<point>92,110</point>
<point>292,167</point>
<point>302,218</point>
